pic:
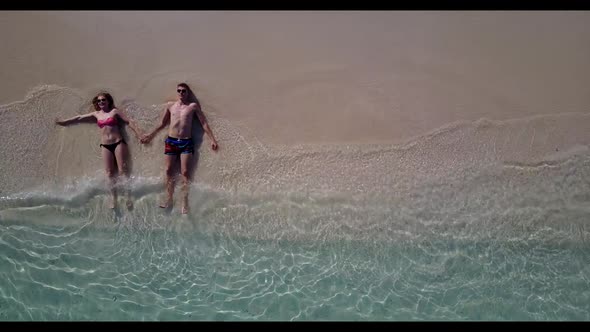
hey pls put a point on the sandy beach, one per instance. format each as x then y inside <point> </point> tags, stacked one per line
<point>283,78</point>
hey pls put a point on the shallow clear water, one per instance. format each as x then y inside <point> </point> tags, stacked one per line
<point>129,273</point>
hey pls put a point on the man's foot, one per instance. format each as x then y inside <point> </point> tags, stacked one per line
<point>129,200</point>
<point>185,203</point>
<point>112,204</point>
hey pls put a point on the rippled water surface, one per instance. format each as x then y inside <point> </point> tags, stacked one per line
<point>125,273</point>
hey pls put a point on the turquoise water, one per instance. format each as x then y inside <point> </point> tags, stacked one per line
<point>130,271</point>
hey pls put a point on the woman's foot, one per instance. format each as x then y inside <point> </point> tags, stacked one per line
<point>112,203</point>
<point>184,210</point>
<point>167,203</point>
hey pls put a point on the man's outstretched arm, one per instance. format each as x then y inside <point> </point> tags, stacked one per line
<point>206,127</point>
<point>163,123</point>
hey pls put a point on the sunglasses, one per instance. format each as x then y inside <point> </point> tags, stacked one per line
<point>101,100</point>
<point>181,90</point>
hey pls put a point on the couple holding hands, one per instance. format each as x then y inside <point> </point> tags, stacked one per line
<point>179,144</point>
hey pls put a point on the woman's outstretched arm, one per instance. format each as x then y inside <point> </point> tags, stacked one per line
<point>74,119</point>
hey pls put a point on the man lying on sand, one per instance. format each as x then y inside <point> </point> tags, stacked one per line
<point>179,143</point>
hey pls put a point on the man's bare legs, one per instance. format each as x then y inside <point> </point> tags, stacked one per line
<point>169,164</point>
<point>185,162</point>
<point>121,153</point>
<point>110,168</point>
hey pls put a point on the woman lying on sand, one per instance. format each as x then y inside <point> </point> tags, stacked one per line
<point>115,152</point>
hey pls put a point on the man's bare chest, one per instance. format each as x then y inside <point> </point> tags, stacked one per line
<point>180,113</point>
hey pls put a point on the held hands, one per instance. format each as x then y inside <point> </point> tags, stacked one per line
<point>139,135</point>
<point>214,146</point>
<point>145,139</point>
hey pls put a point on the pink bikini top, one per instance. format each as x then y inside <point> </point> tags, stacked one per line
<point>112,121</point>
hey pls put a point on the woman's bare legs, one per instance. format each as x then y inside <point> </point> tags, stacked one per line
<point>111,171</point>
<point>122,155</point>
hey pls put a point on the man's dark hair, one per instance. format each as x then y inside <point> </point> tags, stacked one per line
<point>191,95</point>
